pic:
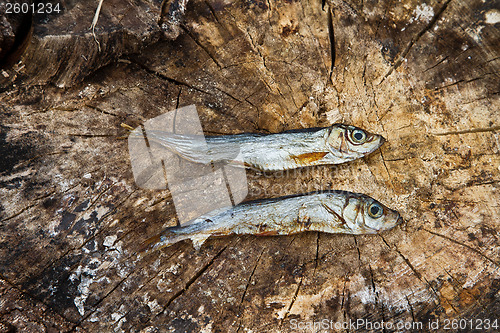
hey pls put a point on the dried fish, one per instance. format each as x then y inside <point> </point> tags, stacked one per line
<point>336,144</point>
<point>329,211</point>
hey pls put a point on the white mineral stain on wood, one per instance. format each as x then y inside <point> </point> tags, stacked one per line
<point>475,32</point>
<point>207,329</point>
<point>155,265</point>
<point>304,304</point>
<point>361,289</point>
<point>392,299</point>
<point>474,277</point>
<point>101,210</point>
<point>174,269</point>
<point>162,285</point>
<point>109,241</point>
<point>423,13</point>
<point>86,276</point>
<point>492,16</point>
<point>119,317</point>
<point>94,317</point>
<point>152,304</point>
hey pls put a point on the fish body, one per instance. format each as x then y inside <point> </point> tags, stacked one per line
<point>330,212</point>
<point>336,144</point>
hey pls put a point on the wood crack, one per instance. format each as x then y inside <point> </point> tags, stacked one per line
<point>413,269</point>
<point>386,169</point>
<point>203,47</point>
<point>473,130</point>
<point>331,36</point>
<point>166,78</point>
<point>292,300</point>
<point>415,39</point>
<point>31,297</point>
<point>192,280</point>
<point>229,95</point>
<point>98,109</point>
<point>464,245</point>
<point>89,135</point>
<point>437,64</point>
<point>357,248</point>
<point>246,289</point>
<point>317,253</point>
<point>180,83</point>
<point>27,207</point>
<point>411,309</point>
<point>147,283</point>
<point>374,289</point>
<point>250,278</point>
<point>96,305</point>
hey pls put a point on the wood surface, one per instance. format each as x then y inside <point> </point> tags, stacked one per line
<point>424,75</point>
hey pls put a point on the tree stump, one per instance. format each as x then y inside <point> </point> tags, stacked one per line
<point>424,75</point>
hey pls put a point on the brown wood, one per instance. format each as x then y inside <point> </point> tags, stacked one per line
<point>425,76</point>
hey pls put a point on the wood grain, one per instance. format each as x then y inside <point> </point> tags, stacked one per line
<point>423,75</point>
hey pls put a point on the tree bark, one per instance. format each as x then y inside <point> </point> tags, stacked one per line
<point>424,75</point>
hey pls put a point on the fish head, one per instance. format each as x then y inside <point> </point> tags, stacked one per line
<point>351,142</point>
<point>366,215</point>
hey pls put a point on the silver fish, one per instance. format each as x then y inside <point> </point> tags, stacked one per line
<point>336,144</point>
<point>330,211</point>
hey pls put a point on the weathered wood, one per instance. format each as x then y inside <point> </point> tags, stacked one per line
<point>63,48</point>
<point>423,75</point>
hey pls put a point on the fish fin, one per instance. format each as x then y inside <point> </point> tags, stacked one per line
<point>183,146</point>
<point>149,243</point>
<point>268,233</point>
<point>244,165</point>
<point>198,240</point>
<point>302,215</point>
<point>308,158</point>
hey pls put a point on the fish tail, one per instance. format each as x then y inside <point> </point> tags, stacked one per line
<point>191,148</point>
<point>149,243</point>
<point>163,239</point>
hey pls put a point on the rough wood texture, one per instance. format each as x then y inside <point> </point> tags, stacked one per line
<point>60,48</point>
<point>423,75</point>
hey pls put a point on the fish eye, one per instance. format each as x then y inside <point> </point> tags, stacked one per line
<point>358,136</point>
<point>375,210</point>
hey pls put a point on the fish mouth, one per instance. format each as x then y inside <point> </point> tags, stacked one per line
<point>399,220</point>
<point>374,138</point>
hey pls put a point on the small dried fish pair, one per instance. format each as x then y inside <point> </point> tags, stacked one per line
<point>331,211</point>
